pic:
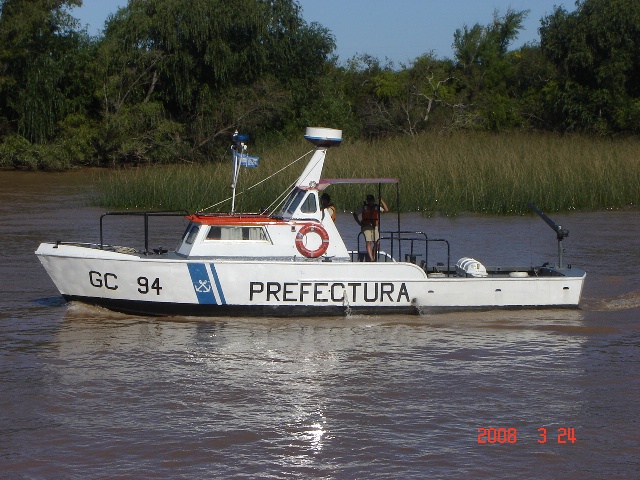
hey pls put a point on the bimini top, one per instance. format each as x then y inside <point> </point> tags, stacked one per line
<point>325,182</point>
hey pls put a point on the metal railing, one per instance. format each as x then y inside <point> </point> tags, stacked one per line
<point>146,215</point>
<point>414,242</point>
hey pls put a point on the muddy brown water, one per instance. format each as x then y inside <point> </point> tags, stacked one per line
<point>87,393</point>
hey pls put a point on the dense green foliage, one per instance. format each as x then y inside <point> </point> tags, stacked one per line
<point>596,51</point>
<point>168,81</point>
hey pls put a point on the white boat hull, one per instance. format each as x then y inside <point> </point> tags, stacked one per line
<point>172,284</point>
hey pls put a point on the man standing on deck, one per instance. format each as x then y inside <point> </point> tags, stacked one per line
<point>368,217</point>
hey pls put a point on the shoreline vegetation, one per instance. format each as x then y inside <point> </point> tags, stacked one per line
<point>446,174</point>
<point>164,84</point>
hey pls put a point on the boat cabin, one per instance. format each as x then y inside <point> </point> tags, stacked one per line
<point>300,230</point>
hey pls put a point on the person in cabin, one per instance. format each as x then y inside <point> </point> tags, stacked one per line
<point>325,204</point>
<point>368,217</point>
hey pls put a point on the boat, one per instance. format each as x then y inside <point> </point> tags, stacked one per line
<point>294,262</point>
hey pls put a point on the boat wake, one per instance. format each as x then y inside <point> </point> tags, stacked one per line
<point>627,301</point>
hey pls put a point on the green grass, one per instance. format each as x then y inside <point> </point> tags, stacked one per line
<point>447,174</point>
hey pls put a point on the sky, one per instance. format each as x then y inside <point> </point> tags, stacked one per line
<point>395,30</point>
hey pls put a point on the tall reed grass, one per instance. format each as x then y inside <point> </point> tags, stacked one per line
<point>447,174</point>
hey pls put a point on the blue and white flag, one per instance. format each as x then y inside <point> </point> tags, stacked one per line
<point>245,160</point>
<point>249,161</point>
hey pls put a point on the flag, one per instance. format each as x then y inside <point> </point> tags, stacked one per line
<point>249,161</point>
<point>244,160</point>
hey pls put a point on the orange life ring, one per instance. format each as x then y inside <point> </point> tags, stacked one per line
<point>309,228</point>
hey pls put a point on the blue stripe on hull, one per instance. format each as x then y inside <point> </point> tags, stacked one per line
<point>218,285</point>
<point>201,283</point>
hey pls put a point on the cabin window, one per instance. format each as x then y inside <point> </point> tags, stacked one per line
<point>255,234</point>
<point>193,233</point>
<point>292,202</point>
<point>310,204</point>
<point>186,230</point>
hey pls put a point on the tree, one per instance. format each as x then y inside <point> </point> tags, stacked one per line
<point>42,65</point>
<point>596,50</point>
<point>365,75</point>
<point>532,75</point>
<point>409,100</point>
<point>212,65</point>
<point>328,102</point>
<point>485,71</point>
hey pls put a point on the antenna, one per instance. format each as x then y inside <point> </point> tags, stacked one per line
<point>561,233</point>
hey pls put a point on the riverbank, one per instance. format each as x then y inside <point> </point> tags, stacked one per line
<point>447,174</point>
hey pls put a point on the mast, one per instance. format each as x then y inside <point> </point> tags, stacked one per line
<point>323,138</point>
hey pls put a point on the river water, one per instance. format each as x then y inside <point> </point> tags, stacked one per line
<point>86,393</point>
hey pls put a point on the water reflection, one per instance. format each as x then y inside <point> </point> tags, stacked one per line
<point>306,395</point>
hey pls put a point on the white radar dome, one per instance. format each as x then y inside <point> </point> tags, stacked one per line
<point>323,137</point>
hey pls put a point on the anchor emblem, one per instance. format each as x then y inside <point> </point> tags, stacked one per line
<point>205,286</point>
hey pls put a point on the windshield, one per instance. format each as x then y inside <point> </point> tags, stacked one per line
<point>292,202</point>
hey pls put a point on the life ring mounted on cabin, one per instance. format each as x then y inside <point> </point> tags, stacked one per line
<point>321,232</point>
